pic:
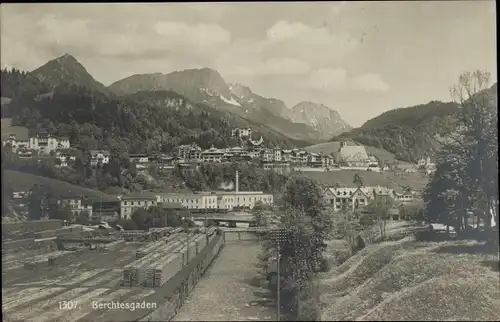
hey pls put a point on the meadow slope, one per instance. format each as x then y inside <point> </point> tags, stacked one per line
<point>409,280</point>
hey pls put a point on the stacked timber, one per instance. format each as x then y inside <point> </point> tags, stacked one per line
<point>45,259</point>
<point>45,234</point>
<point>175,230</point>
<point>152,247</point>
<point>200,242</point>
<point>138,272</point>
<point>165,269</point>
<point>114,245</point>
<point>155,272</point>
<point>182,253</point>
<point>132,273</point>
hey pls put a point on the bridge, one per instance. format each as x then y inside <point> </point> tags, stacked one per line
<point>231,219</point>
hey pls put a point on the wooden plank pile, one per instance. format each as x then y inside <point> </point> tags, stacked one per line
<point>45,234</point>
<point>137,272</point>
<point>114,245</point>
<point>164,270</point>
<point>64,256</point>
<point>45,259</point>
<point>200,242</point>
<point>156,263</point>
<point>157,233</point>
<point>152,247</point>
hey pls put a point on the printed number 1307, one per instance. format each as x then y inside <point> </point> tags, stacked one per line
<point>68,305</point>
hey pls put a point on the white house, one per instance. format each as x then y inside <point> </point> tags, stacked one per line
<point>65,157</point>
<point>99,156</point>
<point>45,143</point>
<point>350,198</point>
<point>247,132</point>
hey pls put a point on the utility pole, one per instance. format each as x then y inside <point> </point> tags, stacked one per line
<point>187,246</point>
<point>279,236</point>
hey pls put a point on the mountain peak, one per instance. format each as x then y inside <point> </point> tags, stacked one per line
<point>66,57</point>
<point>186,82</point>
<point>320,117</point>
<point>66,70</point>
<point>241,91</point>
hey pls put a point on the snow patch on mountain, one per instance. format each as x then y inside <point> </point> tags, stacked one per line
<point>231,101</point>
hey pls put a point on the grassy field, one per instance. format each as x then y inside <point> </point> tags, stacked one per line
<point>20,132</point>
<point>409,280</point>
<point>370,178</point>
<point>20,181</point>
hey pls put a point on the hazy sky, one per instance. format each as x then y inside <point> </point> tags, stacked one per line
<point>360,58</point>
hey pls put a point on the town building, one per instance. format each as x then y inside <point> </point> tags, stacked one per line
<point>41,143</point>
<point>128,204</point>
<point>286,155</point>
<point>268,155</point>
<point>314,160</point>
<point>139,158</point>
<point>405,196</point>
<point>372,161</point>
<point>327,161</point>
<point>427,165</point>
<point>213,155</point>
<point>190,200</point>
<point>106,211</point>
<point>256,146</point>
<point>17,143</point>
<point>76,205</point>
<point>298,157</point>
<point>65,157</point>
<point>242,199</point>
<point>347,198</point>
<point>99,157</point>
<point>242,133</point>
<point>45,143</point>
<point>383,193</point>
<point>227,200</point>
<point>352,156</point>
<point>189,153</point>
<point>354,198</point>
<point>72,203</point>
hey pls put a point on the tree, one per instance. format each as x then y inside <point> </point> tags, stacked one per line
<point>60,212</point>
<point>308,225</point>
<point>357,180</point>
<point>37,195</point>
<point>466,176</point>
<point>479,137</point>
<point>262,214</point>
<point>127,224</point>
<point>83,218</point>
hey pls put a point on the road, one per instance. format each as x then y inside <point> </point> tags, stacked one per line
<point>229,290</point>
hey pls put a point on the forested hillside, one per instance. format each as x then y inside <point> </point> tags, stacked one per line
<point>141,123</point>
<point>409,133</point>
<point>144,122</point>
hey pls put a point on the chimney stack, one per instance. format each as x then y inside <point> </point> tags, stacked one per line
<point>237,182</point>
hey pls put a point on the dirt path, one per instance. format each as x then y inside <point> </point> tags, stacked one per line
<point>229,289</point>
